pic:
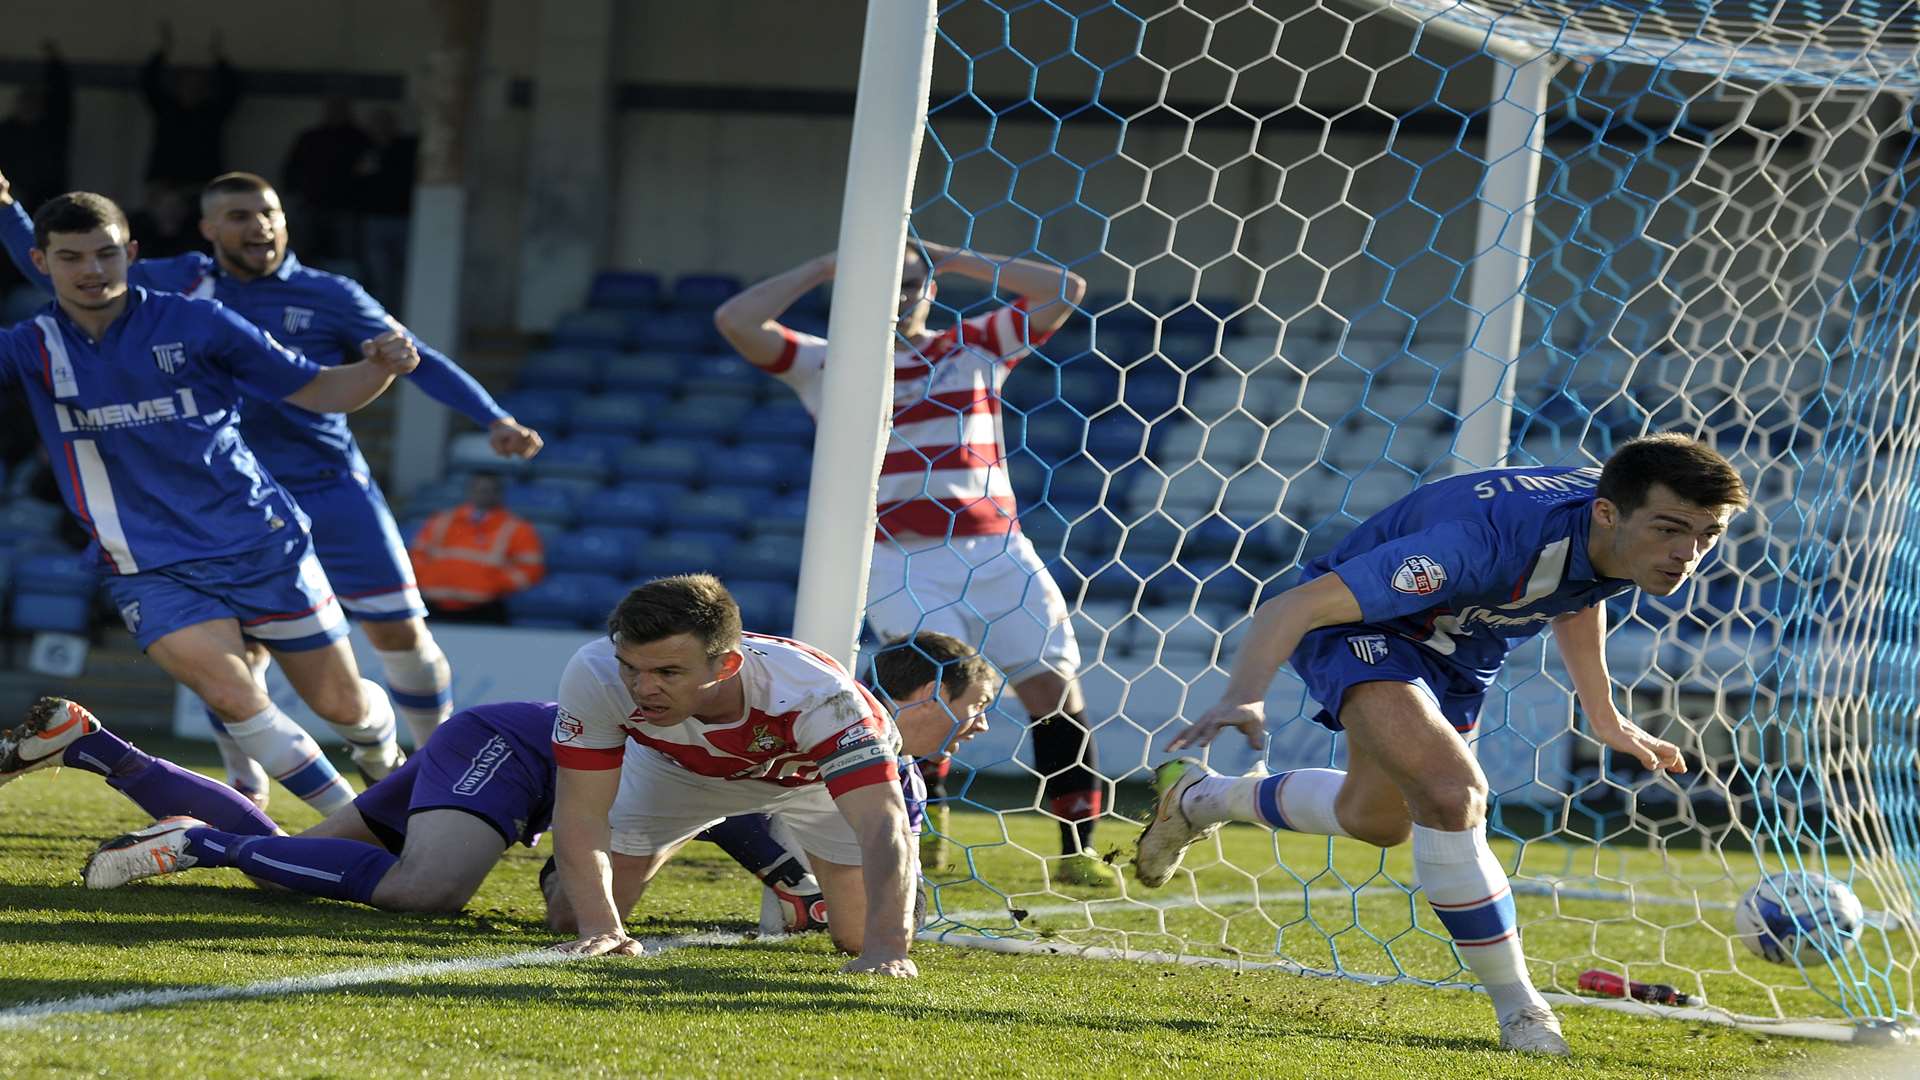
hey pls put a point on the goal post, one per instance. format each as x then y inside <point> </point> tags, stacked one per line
<point>1336,249</point>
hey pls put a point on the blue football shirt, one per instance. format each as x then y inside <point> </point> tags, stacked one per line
<point>1472,565</point>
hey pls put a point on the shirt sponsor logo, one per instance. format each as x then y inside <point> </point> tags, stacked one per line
<point>170,357</point>
<point>1368,648</point>
<point>481,769</point>
<point>297,319</point>
<point>566,728</point>
<point>125,414</point>
<point>853,736</point>
<point>1420,575</point>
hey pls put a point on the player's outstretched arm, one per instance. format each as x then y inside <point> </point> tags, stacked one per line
<point>1278,626</point>
<point>750,321</point>
<point>878,816</point>
<point>1582,640</point>
<point>350,387</point>
<point>1051,291</point>
<point>16,233</point>
<point>581,839</point>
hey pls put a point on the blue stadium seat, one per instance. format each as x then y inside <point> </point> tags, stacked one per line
<point>681,464</point>
<point>784,516</point>
<point>716,510</point>
<point>623,414</point>
<point>30,517</point>
<point>723,375</point>
<point>591,330</point>
<point>565,600</point>
<point>784,423</point>
<point>766,607</point>
<point>595,551</point>
<point>759,466</point>
<point>672,331</point>
<point>704,292</point>
<point>542,504</point>
<point>645,372</point>
<point>610,443</point>
<point>704,417</point>
<point>683,553</point>
<point>436,496</point>
<point>561,369</point>
<point>631,506</point>
<point>625,289</point>
<point>765,558</point>
<point>570,459</point>
<point>545,411</point>
<point>53,593</point>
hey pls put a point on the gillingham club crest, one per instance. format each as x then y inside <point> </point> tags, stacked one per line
<point>1368,648</point>
<point>1419,576</point>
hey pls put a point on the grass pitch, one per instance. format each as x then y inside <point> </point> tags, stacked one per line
<point>735,1006</point>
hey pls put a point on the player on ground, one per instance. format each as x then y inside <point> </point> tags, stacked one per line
<point>949,555</point>
<point>1399,633</point>
<point>136,396</point>
<point>720,725</point>
<point>323,317</point>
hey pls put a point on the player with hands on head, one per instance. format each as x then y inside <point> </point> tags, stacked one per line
<point>676,720</point>
<point>1399,633</point>
<point>949,555</point>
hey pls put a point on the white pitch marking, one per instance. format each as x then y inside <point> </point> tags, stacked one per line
<point>21,1016</point>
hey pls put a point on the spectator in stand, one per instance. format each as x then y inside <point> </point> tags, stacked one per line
<point>168,224</point>
<point>469,559</point>
<point>321,175</point>
<point>191,107</point>
<point>35,135</point>
<point>385,193</point>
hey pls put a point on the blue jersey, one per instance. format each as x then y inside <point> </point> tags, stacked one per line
<point>322,316</point>
<point>143,430</point>
<point>1472,565</point>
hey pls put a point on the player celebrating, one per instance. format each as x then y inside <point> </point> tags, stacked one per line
<point>135,396</point>
<point>1400,631</point>
<point>313,453</point>
<point>950,555</point>
<point>724,725</point>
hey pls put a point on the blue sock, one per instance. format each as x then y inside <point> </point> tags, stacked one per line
<point>164,789</point>
<point>749,839</point>
<point>318,866</point>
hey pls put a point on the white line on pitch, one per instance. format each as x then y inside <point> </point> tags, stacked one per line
<point>21,1016</point>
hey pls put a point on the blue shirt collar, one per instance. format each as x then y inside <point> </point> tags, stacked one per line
<point>136,295</point>
<point>1579,563</point>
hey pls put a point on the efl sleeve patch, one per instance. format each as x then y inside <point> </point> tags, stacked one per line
<point>1419,575</point>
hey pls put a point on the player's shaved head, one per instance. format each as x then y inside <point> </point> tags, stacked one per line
<point>694,604</point>
<point>233,183</point>
<point>77,212</point>
<point>1683,464</point>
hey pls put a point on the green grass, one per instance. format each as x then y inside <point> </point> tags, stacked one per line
<point>755,1008</point>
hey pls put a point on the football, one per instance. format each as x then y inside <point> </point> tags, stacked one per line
<point>1798,917</point>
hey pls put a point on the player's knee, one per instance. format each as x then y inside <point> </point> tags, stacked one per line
<point>1381,830</point>
<point>1452,804</point>
<point>423,895</point>
<point>341,705</point>
<point>234,701</point>
<point>846,939</point>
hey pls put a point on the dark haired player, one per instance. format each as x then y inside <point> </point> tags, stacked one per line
<point>1400,631</point>
<point>324,317</point>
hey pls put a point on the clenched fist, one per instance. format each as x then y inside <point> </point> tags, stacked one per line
<point>392,352</point>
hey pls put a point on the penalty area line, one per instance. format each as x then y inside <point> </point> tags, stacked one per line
<point>30,1014</point>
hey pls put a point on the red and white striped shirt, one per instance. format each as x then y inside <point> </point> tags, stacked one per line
<point>945,469</point>
<point>806,720</point>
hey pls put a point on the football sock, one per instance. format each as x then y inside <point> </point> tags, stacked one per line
<point>1065,754</point>
<point>749,839</point>
<point>243,773</point>
<point>421,682</point>
<point>321,866</point>
<point>371,741</point>
<point>290,756</point>
<point>1300,800</point>
<point>1469,891</point>
<point>164,789</point>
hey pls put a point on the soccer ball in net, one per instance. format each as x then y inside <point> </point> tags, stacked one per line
<point>1798,917</point>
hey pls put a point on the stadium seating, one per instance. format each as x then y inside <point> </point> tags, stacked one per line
<point>596,550</point>
<point>765,606</point>
<point>572,459</point>
<point>616,413</point>
<point>704,416</point>
<point>561,369</point>
<point>541,504</point>
<point>704,292</point>
<point>591,329</point>
<point>682,464</point>
<point>53,592</point>
<point>625,290</point>
<point>671,331</point>
<point>683,552</point>
<point>565,600</point>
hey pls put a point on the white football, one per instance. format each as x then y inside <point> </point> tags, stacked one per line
<point>1799,916</point>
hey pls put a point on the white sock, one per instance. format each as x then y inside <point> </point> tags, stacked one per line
<point>1300,800</point>
<point>371,741</point>
<point>244,774</point>
<point>290,756</point>
<point>1470,893</point>
<point>421,682</point>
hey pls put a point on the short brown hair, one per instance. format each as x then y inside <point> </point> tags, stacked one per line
<point>233,183</point>
<point>907,664</point>
<point>77,212</point>
<point>665,607</point>
<point>1685,465</point>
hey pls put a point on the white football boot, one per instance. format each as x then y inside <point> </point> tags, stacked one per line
<point>1533,1029</point>
<point>160,848</point>
<point>52,725</point>
<point>1169,834</point>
